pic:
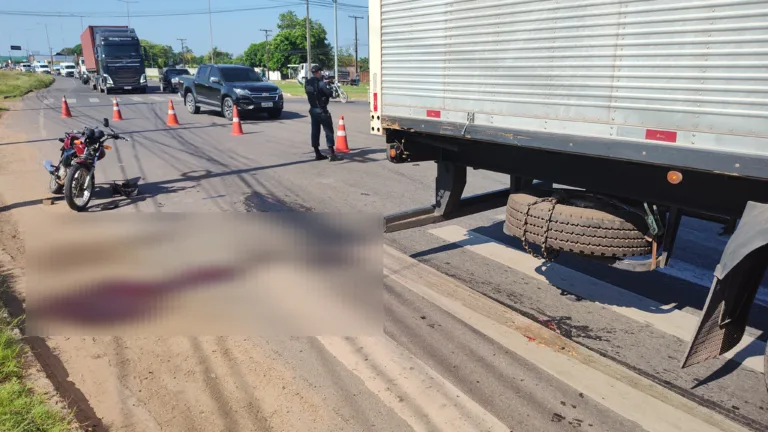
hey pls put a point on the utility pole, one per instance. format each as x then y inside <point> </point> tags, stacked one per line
<point>357,72</point>
<point>183,53</point>
<point>266,40</point>
<point>335,40</point>
<point>210,27</point>
<point>49,46</point>
<point>309,45</point>
<point>128,8</point>
<point>81,24</point>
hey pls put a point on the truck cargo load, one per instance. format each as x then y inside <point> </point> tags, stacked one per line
<point>612,119</point>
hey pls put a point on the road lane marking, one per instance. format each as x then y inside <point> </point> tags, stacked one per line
<point>71,101</point>
<point>136,98</point>
<point>666,318</point>
<point>157,98</point>
<point>424,399</point>
<point>624,392</point>
<point>94,100</point>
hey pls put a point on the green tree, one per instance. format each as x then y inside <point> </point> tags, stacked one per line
<point>346,57</point>
<point>289,46</point>
<point>256,55</point>
<point>78,49</point>
<point>362,63</point>
<point>158,56</point>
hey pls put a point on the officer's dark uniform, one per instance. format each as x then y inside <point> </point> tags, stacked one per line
<point>318,95</point>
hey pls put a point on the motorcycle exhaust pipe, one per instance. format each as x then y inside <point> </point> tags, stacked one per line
<point>49,167</point>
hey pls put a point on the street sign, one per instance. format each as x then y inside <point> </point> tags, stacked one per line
<point>15,47</point>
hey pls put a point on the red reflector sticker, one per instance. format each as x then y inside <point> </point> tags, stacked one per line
<point>375,102</point>
<point>660,135</point>
<point>433,114</point>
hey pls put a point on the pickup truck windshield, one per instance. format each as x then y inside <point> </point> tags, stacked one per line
<point>175,72</point>
<point>122,51</point>
<point>239,75</point>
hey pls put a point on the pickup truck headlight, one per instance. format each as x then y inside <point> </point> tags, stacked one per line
<point>242,92</point>
<point>279,91</point>
<point>143,79</point>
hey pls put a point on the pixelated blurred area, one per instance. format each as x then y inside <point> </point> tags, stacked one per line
<point>173,274</point>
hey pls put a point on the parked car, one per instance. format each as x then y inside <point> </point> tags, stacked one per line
<point>222,87</point>
<point>169,80</point>
<point>42,68</point>
<point>26,67</point>
<point>57,69</point>
<point>68,69</point>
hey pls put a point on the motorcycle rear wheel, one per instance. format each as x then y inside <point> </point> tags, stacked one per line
<point>76,175</point>
<point>54,186</point>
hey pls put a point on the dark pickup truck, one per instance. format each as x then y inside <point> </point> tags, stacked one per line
<point>222,87</point>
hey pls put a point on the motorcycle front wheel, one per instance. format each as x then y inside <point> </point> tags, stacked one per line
<point>343,96</point>
<point>78,188</point>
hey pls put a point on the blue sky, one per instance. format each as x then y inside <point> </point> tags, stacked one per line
<point>232,31</point>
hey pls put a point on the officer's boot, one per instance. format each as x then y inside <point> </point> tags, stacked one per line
<point>318,155</point>
<point>333,157</point>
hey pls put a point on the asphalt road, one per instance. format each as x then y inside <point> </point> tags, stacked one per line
<point>604,354</point>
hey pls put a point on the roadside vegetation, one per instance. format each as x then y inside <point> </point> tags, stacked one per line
<point>294,89</point>
<point>16,84</point>
<point>20,408</point>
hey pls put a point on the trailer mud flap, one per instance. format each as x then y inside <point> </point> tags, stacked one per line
<point>737,279</point>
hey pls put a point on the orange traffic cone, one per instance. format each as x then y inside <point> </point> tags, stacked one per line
<point>172,119</point>
<point>341,138</point>
<point>237,127</point>
<point>116,114</point>
<point>65,113</point>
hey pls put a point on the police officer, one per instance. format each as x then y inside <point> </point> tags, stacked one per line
<point>318,95</point>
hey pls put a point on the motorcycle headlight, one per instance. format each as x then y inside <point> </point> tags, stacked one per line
<point>242,92</point>
<point>143,78</point>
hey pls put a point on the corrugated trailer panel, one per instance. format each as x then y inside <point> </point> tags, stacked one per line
<point>685,73</point>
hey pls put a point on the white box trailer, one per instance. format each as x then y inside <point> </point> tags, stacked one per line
<point>646,109</point>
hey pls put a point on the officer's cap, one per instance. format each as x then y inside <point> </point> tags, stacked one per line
<point>316,69</point>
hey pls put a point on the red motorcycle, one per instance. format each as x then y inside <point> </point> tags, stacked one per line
<point>75,173</point>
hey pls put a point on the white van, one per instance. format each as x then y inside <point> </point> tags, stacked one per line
<point>68,69</point>
<point>42,68</point>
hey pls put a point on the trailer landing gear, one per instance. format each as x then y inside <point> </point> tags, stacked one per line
<point>450,183</point>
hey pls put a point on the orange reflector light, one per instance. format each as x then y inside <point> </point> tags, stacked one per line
<point>674,177</point>
<point>392,153</point>
<point>106,147</point>
<point>78,142</point>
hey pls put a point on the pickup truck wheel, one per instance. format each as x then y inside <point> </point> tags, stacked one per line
<point>583,225</point>
<point>227,108</point>
<point>191,104</point>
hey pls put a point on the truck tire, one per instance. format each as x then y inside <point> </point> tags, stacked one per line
<point>583,226</point>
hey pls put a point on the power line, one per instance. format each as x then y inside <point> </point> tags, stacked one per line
<point>342,6</point>
<point>128,9</point>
